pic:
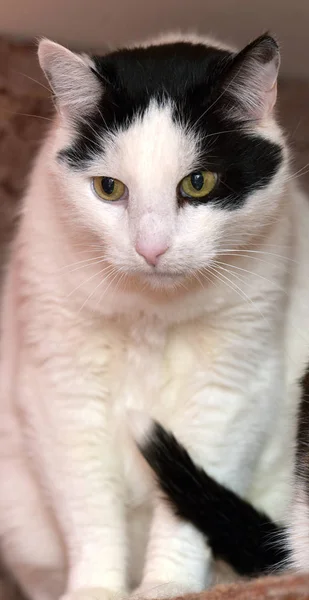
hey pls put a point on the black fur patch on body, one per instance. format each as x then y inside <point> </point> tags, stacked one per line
<point>302,455</point>
<point>235,531</point>
<point>189,76</point>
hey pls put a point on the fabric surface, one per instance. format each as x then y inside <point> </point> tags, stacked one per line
<point>288,587</point>
<point>25,109</point>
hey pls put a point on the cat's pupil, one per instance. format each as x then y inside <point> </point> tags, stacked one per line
<point>108,185</point>
<point>197,181</point>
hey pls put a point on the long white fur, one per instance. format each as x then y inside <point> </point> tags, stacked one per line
<point>83,341</point>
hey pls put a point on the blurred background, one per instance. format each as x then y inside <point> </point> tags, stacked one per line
<point>100,23</point>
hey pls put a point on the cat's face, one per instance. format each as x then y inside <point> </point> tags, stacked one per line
<point>168,154</point>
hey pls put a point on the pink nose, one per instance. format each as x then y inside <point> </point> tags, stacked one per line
<point>150,250</point>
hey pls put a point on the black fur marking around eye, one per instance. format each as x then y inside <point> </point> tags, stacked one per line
<point>235,531</point>
<point>190,75</point>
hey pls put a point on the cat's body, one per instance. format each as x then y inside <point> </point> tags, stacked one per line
<point>112,306</point>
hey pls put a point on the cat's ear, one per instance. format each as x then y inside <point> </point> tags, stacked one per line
<point>72,78</point>
<point>252,79</point>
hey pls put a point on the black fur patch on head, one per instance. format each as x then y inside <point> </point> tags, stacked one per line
<point>191,76</point>
<point>235,531</point>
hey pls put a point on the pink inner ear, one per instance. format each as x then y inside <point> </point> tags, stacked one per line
<point>271,98</point>
<point>255,88</point>
<point>255,95</point>
<point>270,76</point>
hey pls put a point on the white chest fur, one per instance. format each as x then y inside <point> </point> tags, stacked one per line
<point>195,378</point>
<point>158,372</point>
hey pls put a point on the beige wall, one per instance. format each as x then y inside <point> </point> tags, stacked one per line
<point>96,23</point>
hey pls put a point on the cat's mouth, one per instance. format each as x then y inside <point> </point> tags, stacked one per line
<point>164,274</point>
<point>157,278</point>
<point>169,282</point>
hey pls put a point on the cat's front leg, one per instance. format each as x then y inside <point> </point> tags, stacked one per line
<point>92,593</point>
<point>90,507</point>
<point>88,500</point>
<point>176,558</point>
<point>80,464</point>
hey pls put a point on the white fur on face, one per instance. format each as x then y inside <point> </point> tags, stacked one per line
<point>151,157</point>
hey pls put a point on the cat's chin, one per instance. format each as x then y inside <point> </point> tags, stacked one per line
<point>163,280</point>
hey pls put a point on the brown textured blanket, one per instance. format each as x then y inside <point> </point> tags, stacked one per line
<point>292,587</point>
<point>25,108</point>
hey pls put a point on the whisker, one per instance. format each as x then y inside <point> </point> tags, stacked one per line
<point>12,112</point>
<point>242,294</point>
<point>296,175</point>
<point>196,275</point>
<point>216,133</point>
<point>114,272</point>
<point>103,120</point>
<point>89,264</point>
<point>228,187</point>
<point>84,262</point>
<point>218,98</point>
<point>299,170</point>
<point>83,136</point>
<point>234,250</point>
<point>207,277</point>
<point>246,238</point>
<point>34,80</point>
<point>122,280</point>
<point>89,279</point>
<point>243,279</point>
<point>248,256</point>
<point>223,265</point>
<point>180,284</point>
<point>89,248</point>
<point>96,144</point>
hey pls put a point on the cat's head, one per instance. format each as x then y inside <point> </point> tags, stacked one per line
<point>168,154</point>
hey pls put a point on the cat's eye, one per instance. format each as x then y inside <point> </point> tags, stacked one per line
<point>109,189</point>
<point>198,184</point>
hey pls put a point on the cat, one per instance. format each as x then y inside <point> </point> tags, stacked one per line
<point>160,265</point>
<point>241,535</point>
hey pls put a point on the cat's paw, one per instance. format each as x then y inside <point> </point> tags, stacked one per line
<point>92,594</point>
<point>157,590</point>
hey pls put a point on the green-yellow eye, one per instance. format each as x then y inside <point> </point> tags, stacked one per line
<point>198,184</point>
<point>109,189</point>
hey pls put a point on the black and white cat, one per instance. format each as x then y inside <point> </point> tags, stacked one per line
<point>160,265</point>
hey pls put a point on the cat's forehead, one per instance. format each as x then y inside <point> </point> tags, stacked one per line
<point>171,68</point>
<point>152,150</point>
<point>177,78</point>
